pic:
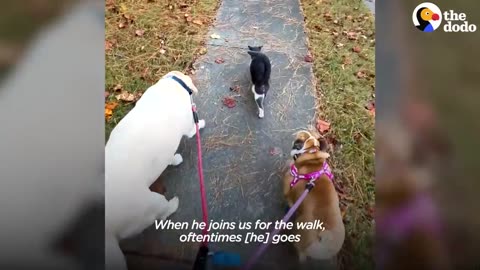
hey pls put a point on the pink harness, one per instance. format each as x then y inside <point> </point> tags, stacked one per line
<point>310,176</point>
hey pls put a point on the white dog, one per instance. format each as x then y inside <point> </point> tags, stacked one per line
<point>139,149</point>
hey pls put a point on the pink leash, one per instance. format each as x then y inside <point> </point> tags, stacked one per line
<point>259,252</point>
<point>200,175</point>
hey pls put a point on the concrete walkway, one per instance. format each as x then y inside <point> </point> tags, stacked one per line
<point>244,156</point>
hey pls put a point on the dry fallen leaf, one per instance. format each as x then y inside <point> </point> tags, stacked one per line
<point>323,126</point>
<point>357,49</point>
<point>229,102</point>
<point>108,45</point>
<point>361,74</point>
<point>371,108</point>
<point>352,36</point>
<point>235,88</point>
<point>347,60</point>
<point>125,96</point>
<point>308,58</point>
<point>275,151</point>
<point>108,113</point>
<point>109,107</point>
<point>357,137</point>
<point>188,19</point>
<point>335,21</point>
<point>214,36</point>
<point>333,143</point>
<point>117,87</point>
<point>327,16</point>
<point>139,33</point>
<point>219,60</point>
<point>371,211</point>
<point>203,51</point>
<point>128,97</point>
<point>107,94</point>
<point>123,8</point>
<point>121,25</point>
<point>145,73</point>
<point>340,45</point>
<point>162,51</point>
<point>198,22</point>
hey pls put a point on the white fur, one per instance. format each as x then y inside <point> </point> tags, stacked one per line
<point>257,96</point>
<point>139,149</point>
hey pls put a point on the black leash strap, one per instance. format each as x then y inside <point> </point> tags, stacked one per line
<point>201,259</point>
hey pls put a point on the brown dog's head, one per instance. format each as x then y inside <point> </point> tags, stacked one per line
<point>309,144</point>
<point>185,78</point>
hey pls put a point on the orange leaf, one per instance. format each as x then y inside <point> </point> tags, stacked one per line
<point>111,106</point>
<point>323,126</point>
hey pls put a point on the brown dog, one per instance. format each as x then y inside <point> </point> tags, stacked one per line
<point>321,203</point>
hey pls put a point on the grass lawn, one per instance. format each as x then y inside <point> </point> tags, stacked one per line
<point>342,41</point>
<point>146,39</point>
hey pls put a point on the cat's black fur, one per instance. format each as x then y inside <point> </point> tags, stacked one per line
<point>260,69</point>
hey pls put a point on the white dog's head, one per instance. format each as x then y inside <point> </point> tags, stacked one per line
<point>185,78</point>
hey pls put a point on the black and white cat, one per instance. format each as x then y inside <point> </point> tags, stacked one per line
<point>260,69</point>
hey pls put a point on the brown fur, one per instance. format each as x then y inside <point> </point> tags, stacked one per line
<point>321,203</point>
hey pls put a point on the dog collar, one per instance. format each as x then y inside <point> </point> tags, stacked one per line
<point>182,83</point>
<point>310,176</point>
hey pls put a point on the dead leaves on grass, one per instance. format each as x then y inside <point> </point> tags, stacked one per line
<point>323,126</point>
<point>109,107</point>
<point>197,22</point>
<point>128,97</point>
<point>120,95</point>
<point>308,58</point>
<point>371,108</point>
<point>139,32</point>
<point>109,44</point>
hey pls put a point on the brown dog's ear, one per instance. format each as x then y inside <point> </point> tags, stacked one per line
<point>323,144</point>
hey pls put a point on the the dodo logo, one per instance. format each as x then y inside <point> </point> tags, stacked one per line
<point>427,17</point>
